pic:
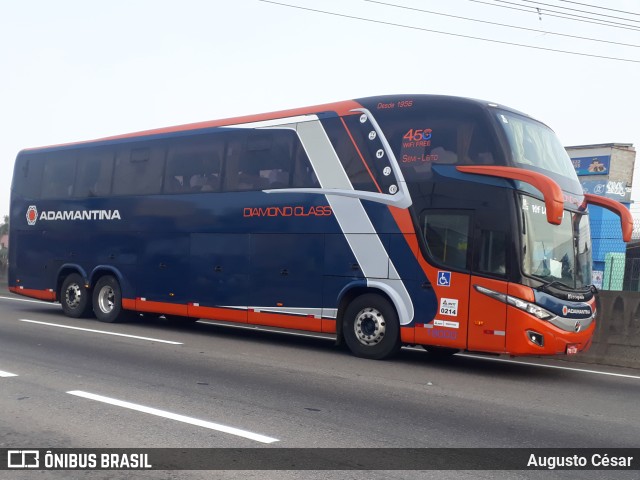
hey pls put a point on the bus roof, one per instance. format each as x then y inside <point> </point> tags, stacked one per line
<point>340,108</point>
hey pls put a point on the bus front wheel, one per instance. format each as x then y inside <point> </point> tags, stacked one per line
<point>371,328</point>
<point>74,297</point>
<point>107,300</point>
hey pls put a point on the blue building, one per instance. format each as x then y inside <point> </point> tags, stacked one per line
<point>606,170</point>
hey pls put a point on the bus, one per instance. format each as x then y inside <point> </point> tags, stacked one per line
<point>446,222</point>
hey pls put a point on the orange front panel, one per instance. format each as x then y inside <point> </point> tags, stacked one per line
<point>408,335</point>
<point>487,317</point>
<point>555,339</point>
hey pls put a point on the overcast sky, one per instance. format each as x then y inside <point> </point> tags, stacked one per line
<point>76,69</point>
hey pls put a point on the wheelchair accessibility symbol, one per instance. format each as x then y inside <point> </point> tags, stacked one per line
<point>444,279</point>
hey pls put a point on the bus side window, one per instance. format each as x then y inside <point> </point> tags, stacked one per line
<point>447,237</point>
<point>194,164</point>
<point>492,256</point>
<point>27,178</point>
<point>59,173</point>
<point>262,162</point>
<point>303,174</point>
<point>343,136</point>
<point>138,170</point>
<point>95,172</point>
<point>481,147</point>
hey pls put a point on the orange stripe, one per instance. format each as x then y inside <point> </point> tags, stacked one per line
<point>328,326</point>
<point>216,313</point>
<point>360,155</point>
<point>341,108</point>
<point>39,294</point>
<point>161,307</point>
<point>285,321</point>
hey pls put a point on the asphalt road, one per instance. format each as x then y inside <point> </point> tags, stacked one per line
<point>147,384</point>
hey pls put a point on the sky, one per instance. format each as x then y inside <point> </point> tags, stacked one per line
<point>75,70</point>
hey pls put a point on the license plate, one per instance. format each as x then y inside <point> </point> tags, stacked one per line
<point>572,349</point>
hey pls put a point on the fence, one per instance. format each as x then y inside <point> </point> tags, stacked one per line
<point>616,265</point>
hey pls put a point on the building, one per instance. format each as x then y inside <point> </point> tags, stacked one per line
<point>607,170</point>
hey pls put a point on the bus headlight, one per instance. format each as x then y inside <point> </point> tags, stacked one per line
<point>530,308</point>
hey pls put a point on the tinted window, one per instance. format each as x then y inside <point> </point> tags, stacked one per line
<point>94,173</point>
<point>59,174</point>
<point>139,169</point>
<point>27,177</point>
<point>492,257</point>
<point>423,137</point>
<point>259,160</point>
<point>352,160</point>
<point>194,164</point>
<point>447,237</point>
<point>303,174</point>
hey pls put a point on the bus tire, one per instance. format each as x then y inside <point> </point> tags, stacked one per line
<point>107,300</point>
<point>74,297</point>
<point>371,328</point>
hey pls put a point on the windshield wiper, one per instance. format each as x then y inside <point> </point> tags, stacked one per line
<point>556,283</point>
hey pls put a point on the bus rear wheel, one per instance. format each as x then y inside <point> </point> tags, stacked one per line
<point>74,297</point>
<point>371,328</point>
<point>107,300</point>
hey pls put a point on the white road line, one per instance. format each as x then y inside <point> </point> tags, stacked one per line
<point>101,331</point>
<point>173,416</point>
<point>7,374</point>
<point>40,302</point>
<point>518,362</point>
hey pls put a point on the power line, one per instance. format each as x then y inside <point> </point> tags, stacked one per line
<point>578,17</point>
<point>448,33</point>
<point>581,11</point>
<point>601,8</point>
<point>595,22</point>
<point>503,24</point>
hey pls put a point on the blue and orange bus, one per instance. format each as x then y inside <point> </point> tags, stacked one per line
<point>446,222</point>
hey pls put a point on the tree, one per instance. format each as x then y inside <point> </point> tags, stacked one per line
<point>4,227</point>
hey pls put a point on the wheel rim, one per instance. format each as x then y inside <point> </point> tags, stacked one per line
<point>106,298</point>
<point>370,326</point>
<point>73,296</point>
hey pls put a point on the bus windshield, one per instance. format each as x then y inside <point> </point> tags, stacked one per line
<point>534,146</point>
<point>555,253</point>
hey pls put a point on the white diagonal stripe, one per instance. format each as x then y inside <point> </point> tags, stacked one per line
<point>174,416</point>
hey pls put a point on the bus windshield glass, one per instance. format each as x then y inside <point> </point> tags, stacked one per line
<point>534,146</point>
<point>555,253</point>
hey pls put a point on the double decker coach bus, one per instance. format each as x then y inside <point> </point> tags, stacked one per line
<point>446,222</point>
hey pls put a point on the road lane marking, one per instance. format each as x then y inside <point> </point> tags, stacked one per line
<point>174,416</point>
<point>7,374</point>
<point>40,302</point>
<point>518,362</point>
<point>101,331</point>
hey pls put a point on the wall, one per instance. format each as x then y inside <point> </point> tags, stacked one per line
<point>617,337</point>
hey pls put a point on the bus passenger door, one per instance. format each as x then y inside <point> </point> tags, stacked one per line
<point>488,314</point>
